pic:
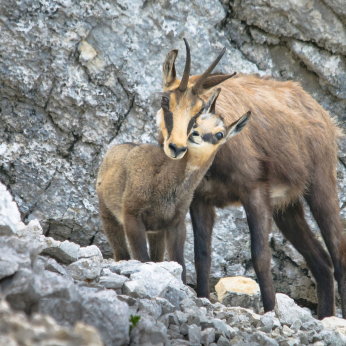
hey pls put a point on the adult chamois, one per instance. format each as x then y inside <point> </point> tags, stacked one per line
<point>143,192</point>
<point>287,153</point>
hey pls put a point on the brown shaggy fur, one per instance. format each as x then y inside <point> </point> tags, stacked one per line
<point>288,152</point>
<point>143,192</point>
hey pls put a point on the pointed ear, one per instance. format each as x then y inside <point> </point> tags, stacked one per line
<point>238,125</point>
<point>210,107</point>
<point>168,69</point>
<point>213,81</point>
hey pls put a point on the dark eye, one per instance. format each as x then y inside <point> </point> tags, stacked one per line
<point>219,136</point>
<point>164,101</point>
<point>195,133</point>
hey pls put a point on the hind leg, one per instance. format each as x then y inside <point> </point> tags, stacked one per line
<point>293,225</point>
<point>323,201</point>
<point>157,246</point>
<point>114,232</point>
<point>203,218</point>
<point>259,217</point>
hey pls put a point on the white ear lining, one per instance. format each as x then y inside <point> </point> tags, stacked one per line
<point>238,126</point>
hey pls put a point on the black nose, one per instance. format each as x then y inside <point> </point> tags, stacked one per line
<point>175,150</point>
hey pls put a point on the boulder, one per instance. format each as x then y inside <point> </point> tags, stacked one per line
<point>332,323</point>
<point>239,291</point>
<point>287,311</point>
<point>90,251</point>
<point>150,280</point>
<point>108,315</point>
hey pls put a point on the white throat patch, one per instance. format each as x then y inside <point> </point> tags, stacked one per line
<point>159,118</point>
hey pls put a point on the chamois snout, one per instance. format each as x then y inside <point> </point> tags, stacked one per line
<point>176,151</point>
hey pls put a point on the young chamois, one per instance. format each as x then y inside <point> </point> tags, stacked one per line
<point>287,153</point>
<point>143,192</point>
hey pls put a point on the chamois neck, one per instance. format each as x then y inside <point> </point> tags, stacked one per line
<point>198,160</point>
<point>195,166</point>
<point>181,177</point>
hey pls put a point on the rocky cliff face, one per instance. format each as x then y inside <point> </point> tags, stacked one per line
<point>78,77</point>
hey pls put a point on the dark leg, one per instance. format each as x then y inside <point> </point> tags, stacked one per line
<point>114,232</point>
<point>323,201</point>
<point>135,232</point>
<point>157,246</point>
<point>175,241</point>
<point>293,225</point>
<point>203,218</point>
<point>259,217</point>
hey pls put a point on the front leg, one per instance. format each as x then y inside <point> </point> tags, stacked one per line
<point>259,217</point>
<point>157,246</point>
<point>135,232</point>
<point>203,218</point>
<point>175,241</point>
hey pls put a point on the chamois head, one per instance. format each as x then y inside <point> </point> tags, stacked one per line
<point>210,131</point>
<point>181,102</point>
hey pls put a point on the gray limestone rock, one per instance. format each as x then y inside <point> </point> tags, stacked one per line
<point>9,214</point>
<point>194,334</point>
<point>18,329</point>
<point>287,311</point>
<point>53,266</point>
<point>207,336</point>
<point>223,341</point>
<point>65,252</point>
<point>112,280</point>
<point>108,315</point>
<point>149,332</point>
<point>76,78</point>
<point>181,316</point>
<point>243,300</point>
<point>134,289</point>
<point>269,322</point>
<point>149,307</point>
<point>263,339</point>
<point>315,21</point>
<point>40,284</point>
<point>166,306</point>
<point>150,280</point>
<point>13,255</point>
<point>85,269</point>
<point>184,329</point>
<point>296,325</point>
<point>90,251</point>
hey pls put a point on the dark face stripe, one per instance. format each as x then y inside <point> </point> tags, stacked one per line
<point>194,118</point>
<point>168,118</point>
<point>191,123</point>
<point>210,138</point>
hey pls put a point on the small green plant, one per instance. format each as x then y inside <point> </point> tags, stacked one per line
<point>133,322</point>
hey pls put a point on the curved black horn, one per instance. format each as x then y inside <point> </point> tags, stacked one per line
<point>206,74</point>
<point>183,84</point>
